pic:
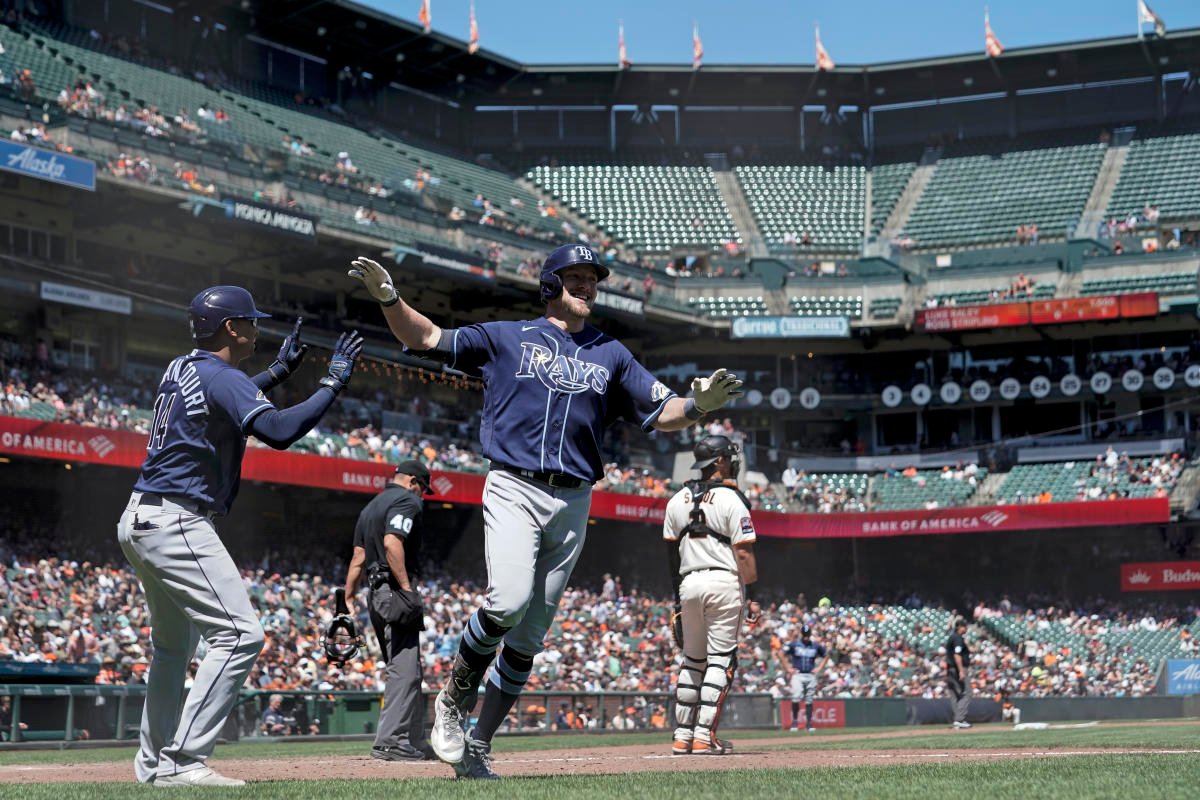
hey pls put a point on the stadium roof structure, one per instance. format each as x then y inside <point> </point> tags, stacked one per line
<point>395,50</point>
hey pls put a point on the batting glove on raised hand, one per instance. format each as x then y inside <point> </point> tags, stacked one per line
<point>376,279</point>
<point>341,363</point>
<point>290,354</point>
<point>716,390</point>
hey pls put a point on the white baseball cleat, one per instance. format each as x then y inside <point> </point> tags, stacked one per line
<point>447,738</point>
<point>197,777</point>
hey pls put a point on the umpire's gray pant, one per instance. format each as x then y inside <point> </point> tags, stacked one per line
<point>402,719</point>
<point>960,696</point>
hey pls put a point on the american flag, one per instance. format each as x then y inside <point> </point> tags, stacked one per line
<point>697,46</point>
<point>622,54</point>
<point>991,45</point>
<point>1146,14</point>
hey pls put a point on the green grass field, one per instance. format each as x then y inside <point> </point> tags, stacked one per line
<point>1127,776</point>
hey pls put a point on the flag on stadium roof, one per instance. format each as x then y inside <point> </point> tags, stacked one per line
<point>1146,15</point>
<point>425,17</point>
<point>622,54</point>
<point>473,45</point>
<point>991,44</point>
<point>823,59</point>
<point>697,46</point>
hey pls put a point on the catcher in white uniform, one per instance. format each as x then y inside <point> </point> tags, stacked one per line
<point>711,550</point>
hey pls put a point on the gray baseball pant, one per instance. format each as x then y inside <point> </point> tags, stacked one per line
<point>402,720</point>
<point>533,535</point>
<point>193,591</point>
<point>960,696</point>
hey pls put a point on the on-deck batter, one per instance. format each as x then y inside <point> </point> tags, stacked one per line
<point>551,387</point>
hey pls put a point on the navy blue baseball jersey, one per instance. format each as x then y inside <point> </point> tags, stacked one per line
<point>804,656</point>
<point>549,394</point>
<point>203,409</point>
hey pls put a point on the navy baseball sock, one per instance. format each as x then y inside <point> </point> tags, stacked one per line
<point>478,647</point>
<point>504,686</point>
<point>795,714</point>
<point>808,713</point>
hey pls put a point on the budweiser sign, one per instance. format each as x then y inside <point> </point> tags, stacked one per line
<point>1160,576</point>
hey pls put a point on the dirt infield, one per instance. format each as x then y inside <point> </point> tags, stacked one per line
<point>750,754</point>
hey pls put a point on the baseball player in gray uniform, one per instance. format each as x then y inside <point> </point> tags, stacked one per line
<point>551,386</point>
<point>710,546</point>
<point>204,410</point>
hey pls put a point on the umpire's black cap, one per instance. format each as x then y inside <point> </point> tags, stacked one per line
<point>418,471</point>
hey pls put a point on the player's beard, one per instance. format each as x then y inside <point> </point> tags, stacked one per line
<point>576,307</point>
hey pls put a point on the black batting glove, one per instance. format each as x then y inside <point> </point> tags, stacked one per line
<point>341,363</point>
<point>290,354</point>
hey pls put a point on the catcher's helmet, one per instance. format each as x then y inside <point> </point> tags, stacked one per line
<point>567,256</point>
<point>214,305</point>
<point>342,640</point>
<point>710,448</point>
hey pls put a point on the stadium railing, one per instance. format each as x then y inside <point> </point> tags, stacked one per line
<point>65,713</point>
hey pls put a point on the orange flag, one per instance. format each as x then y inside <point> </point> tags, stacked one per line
<point>823,60</point>
<point>473,45</point>
<point>425,17</point>
<point>991,45</point>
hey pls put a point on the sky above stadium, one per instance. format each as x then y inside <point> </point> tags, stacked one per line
<point>778,31</point>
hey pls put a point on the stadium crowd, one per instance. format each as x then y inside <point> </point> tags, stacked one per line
<point>608,638</point>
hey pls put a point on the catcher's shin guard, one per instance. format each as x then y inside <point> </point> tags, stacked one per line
<point>718,679</point>
<point>687,696</point>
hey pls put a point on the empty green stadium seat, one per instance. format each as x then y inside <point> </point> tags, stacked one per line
<point>651,208</point>
<point>981,198</point>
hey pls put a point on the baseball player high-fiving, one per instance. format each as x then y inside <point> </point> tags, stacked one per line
<point>551,386</point>
<point>204,410</point>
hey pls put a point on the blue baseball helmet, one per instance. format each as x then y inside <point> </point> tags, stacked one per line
<point>214,305</point>
<point>568,256</point>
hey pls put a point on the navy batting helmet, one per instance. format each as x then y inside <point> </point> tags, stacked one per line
<point>710,448</point>
<point>567,256</point>
<point>806,632</point>
<point>214,305</point>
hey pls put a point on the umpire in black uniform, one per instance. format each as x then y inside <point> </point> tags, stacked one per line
<point>386,543</point>
<point>958,682</point>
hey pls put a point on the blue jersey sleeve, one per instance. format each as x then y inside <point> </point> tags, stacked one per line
<point>468,348</point>
<point>642,397</point>
<point>234,393</point>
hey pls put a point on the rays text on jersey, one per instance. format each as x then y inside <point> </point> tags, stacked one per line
<point>561,373</point>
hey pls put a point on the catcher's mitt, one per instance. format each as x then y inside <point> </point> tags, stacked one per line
<point>342,640</point>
